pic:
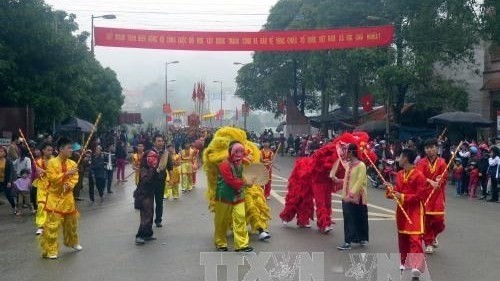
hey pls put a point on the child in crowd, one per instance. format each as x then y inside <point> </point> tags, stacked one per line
<point>473,179</point>
<point>23,187</point>
<point>458,173</point>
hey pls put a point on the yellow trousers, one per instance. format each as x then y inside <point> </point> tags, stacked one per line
<point>171,189</point>
<point>41,214</point>
<point>224,214</point>
<point>187,181</point>
<point>49,239</point>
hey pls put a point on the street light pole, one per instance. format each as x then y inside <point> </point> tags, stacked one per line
<point>244,109</point>
<point>166,88</point>
<point>220,112</point>
<point>108,17</point>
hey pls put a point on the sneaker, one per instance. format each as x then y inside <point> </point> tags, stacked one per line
<point>77,247</point>
<point>264,235</point>
<point>402,268</point>
<point>344,247</point>
<point>305,226</point>
<point>222,249</point>
<point>109,192</point>
<point>53,257</point>
<point>429,249</point>
<point>150,238</point>
<point>327,230</point>
<point>246,249</point>
<point>139,241</point>
<point>363,243</point>
<point>158,224</point>
<point>39,231</point>
<point>435,244</point>
<point>415,273</point>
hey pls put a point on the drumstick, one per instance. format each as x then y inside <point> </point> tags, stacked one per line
<point>28,147</point>
<point>390,188</point>
<point>444,172</point>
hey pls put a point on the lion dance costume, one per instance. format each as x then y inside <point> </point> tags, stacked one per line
<point>256,208</point>
<point>310,185</point>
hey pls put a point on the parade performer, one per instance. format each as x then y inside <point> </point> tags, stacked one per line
<point>267,157</point>
<point>187,167</point>
<point>411,191</point>
<point>433,167</point>
<point>230,201</point>
<point>196,154</point>
<point>257,210</point>
<point>354,198</point>
<point>41,183</point>
<point>310,185</point>
<point>62,174</point>
<point>172,184</point>
<point>153,167</point>
<point>136,161</point>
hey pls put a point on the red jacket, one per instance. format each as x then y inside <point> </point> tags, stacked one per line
<point>414,192</point>
<point>436,205</point>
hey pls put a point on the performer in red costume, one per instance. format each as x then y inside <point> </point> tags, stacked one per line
<point>433,168</point>
<point>310,179</point>
<point>411,191</point>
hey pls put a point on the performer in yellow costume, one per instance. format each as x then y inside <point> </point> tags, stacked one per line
<point>62,174</point>
<point>187,167</point>
<point>172,184</point>
<point>258,212</point>
<point>42,184</point>
<point>136,161</point>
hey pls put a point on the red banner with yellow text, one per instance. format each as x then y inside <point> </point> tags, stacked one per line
<point>290,40</point>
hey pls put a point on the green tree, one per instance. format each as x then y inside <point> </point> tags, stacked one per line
<point>45,64</point>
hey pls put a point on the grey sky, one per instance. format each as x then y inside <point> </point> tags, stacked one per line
<point>137,68</point>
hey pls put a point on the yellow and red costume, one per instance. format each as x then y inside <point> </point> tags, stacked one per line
<point>136,161</point>
<point>60,206</point>
<point>172,184</point>
<point>413,189</point>
<point>435,208</point>
<point>42,184</point>
<point>257,210</point>
<point>187,169</point>
<point>267,157</point>
<point>196,155</point>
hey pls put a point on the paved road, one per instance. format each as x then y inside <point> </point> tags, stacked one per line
<point>469,246</point>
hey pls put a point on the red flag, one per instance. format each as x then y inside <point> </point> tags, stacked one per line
<point>367,102</point>
<point>194,93</point>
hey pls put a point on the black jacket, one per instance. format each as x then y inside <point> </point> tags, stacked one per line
<point>98,166</point>
<point>10,173</point>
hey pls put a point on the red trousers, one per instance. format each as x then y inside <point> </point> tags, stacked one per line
<point>267,187</point>
<point>434,225</point>
<point>412,251</point>
<point>194,177</point>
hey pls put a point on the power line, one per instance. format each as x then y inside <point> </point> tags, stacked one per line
<point>171,13</point>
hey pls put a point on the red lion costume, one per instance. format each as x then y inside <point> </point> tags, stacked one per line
<point>309,183</point>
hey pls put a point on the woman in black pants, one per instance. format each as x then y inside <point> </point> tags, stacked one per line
<point>98,172</point>
<point>7,176</point>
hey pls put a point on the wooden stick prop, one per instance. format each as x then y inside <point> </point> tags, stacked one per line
<point>391,189</point>
<point>444,172</point>
<point>442,134</point>
<point>128,176</point>
<point>28,147</point>
<point>89,138</point>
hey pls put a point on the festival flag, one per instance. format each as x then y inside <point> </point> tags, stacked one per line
<point>194,93</point>
<point>367,102</point>
<point>202,96</point>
